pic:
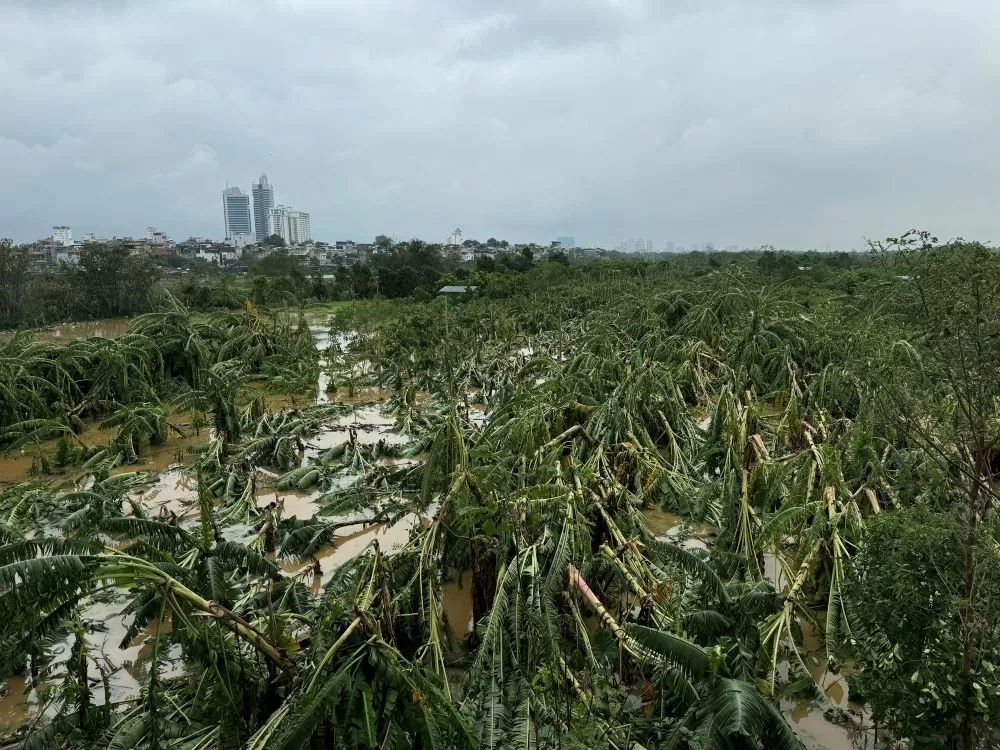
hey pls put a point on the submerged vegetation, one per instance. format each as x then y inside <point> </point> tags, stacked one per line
<point>831,441</point>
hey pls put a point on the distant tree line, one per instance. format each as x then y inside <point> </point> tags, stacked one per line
<point>108,282</point>
<point>395,270</point>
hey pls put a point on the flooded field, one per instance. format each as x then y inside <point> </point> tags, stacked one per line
<point>172,491</point>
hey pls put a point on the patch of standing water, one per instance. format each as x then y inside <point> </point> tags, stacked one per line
<point>807,719</point>
<point>456,600</point>
<point>350,542</point>
<point>108,328</point>
<point>370,425</point>
<point>173,492</point>
<point>25,699</point>
<point>672,528</point>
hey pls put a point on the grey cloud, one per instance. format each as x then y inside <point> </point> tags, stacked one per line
<point>794,123</point>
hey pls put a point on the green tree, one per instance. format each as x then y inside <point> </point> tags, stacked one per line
<point>15,266</point>
<point>408,266</point>
<point>363,281</point>
<point>319,287</point>
<point>907,620</point>
<point>943,386</point>
<point>115,281</point>
<point>275,264</point>
<point>275,240</point>
<point>559,256</point>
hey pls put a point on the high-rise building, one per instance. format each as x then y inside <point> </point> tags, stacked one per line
<point>299,230</point>
<point>277,222</point>
<point>455,238</point>
<point>566,241</point>
<point>669,247</point>
<point>292,226</point>
<point>236,212</point>
<point>263,201</point>
<point>62,235</point>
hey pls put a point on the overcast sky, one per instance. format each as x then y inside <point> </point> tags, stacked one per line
<point>799,123</point>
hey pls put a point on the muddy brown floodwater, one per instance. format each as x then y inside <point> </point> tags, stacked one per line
<point>59,334</point>
<point>124,666</point>
<point>16,466</point>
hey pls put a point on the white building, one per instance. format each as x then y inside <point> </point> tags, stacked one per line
<point>70,255</point>
<point>299,230</point>
<point>155,237</point>
<point>236,212</point>
<point>62,235</point>
<point>216,256</point>
<point>455,238</point>
<point>292,226</point>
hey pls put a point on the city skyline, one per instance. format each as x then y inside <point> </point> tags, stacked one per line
<point>294,227</point>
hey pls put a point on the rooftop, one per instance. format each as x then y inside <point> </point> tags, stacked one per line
<point>456,289</point>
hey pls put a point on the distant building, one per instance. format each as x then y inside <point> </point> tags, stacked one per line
<point>566,241</point>
<point>292,226</point>
<point>299,229</point>
<point>236,213</point>
<point>69,255</point>
<point>636,246</point>
<point>240,241</point>
<point>263,201</point>
<point>217,255</point>
<point>455,238</point>
<point>669,247</point>
<point>454,292</point>
<point>155,237</point>
<point>709,247</point>
<point>62,235</point>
